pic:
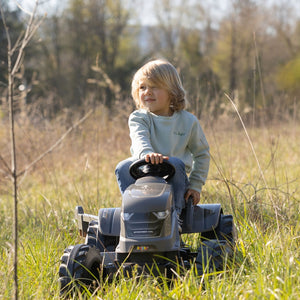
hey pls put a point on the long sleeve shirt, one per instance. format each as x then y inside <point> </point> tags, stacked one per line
<point>179,135</point>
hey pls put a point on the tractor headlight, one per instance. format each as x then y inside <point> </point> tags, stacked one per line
<point>161,214</point>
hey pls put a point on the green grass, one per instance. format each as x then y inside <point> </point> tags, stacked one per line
<point>80,171</point>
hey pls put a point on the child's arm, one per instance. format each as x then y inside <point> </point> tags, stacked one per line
<point>201,157</point>
<point>140,135</point>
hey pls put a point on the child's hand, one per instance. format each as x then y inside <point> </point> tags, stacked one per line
<point>155,158</point>
<point>194,194</point>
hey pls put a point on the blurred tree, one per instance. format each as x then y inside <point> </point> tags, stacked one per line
<point>89,49</point>
<point>288,31</point>
<point>95,31</point>
<point>185,37</point>
<point>289,76</point>
<point>235,58</point>
<point>253,41</point>
<point>88,36</point>
<point>13,21</point>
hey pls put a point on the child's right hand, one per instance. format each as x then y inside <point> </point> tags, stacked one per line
<point>155,158</point>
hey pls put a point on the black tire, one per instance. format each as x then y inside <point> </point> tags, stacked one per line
<point>211,256</point>
<point>224,231</point>
<point>103,243</point>
<point>80,265</point>
<point>91,235</point>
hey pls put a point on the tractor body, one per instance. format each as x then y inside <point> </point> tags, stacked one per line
<point>142,236</point>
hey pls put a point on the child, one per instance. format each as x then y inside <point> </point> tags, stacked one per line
<point>160,129</point>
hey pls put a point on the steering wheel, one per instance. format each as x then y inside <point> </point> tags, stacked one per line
<point>141,168</point>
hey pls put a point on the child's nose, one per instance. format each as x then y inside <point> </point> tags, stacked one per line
<point>148,90</point>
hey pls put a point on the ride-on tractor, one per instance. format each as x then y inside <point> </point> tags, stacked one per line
<point>143,235</point>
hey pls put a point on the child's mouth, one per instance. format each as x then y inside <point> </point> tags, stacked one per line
<point>149,100</point>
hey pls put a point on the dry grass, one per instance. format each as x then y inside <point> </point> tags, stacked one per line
<point>81,172</point>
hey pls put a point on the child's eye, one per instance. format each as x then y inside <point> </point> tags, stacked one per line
<point>142,87</point>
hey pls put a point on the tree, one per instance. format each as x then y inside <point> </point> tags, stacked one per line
<point>15,25</point>
<point>86,37</point>
<point>288,73</point>
<point>15,53</point>
<point>235,55</point>
<point>95,31</point>
<point>185,37</point>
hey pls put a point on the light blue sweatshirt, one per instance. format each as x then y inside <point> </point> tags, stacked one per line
<point>180,136</point>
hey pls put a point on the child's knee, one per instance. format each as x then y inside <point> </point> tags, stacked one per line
<point>123,166</point>
<point>177,162</point>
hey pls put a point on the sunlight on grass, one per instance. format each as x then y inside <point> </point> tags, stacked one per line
<point>266,264</point>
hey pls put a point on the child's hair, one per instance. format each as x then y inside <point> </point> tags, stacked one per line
<point>162,74</point>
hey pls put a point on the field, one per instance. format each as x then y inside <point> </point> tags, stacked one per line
<point>255,178</point>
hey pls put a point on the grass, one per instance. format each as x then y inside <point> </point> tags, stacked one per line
<point>80,171</point>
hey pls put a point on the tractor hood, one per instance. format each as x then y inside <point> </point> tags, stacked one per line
<point>148,194</point>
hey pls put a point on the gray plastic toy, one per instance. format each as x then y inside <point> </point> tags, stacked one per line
<point>143,234</point>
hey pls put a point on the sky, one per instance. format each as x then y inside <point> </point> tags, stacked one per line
<point>145,11</point>
<point>145,8</point>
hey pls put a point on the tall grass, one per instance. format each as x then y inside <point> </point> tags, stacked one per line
<point>80,171</point>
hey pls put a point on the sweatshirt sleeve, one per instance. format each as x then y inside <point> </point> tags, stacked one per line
<point>199,148</point>
<point>139,127</point>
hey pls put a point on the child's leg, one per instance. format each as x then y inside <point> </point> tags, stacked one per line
<point>122,173</point>
<point>179,183</point>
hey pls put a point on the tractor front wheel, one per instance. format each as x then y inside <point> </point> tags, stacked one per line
<point>80,266</point>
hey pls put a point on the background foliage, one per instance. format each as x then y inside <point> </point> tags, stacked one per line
<point>86,52</point>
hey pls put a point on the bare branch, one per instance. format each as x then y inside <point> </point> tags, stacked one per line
<point>57,143</point>
<point>5,164</point>
<point>23,9</point>
<point>30,31</point>
<point>12,69</point>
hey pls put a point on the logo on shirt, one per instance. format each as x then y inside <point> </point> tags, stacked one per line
<point>179,133</point>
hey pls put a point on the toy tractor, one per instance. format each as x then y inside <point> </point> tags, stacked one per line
<point>143,234</point>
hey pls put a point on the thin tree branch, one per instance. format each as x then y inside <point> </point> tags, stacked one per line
<point>13,171</point>
<point>5,165</point>
<point>12,69</point>
<point>30,31</point>
<point>57,143</point>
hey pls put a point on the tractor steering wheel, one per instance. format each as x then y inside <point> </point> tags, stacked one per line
<point>141,168</point>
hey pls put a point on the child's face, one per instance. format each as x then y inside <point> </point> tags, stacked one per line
<point>156,99</point>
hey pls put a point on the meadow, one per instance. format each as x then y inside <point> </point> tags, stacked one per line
<point>255,178</point>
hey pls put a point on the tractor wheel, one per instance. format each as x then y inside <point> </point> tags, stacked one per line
<point>212,255</point>
<point>91,235</point>
<point>103,243</point>
<point>80,265</point>
<point>224,231</point>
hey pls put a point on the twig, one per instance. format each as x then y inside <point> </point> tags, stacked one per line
<point>25,170</point>
<point>12,69</point>
<point>226,181</point>
<point>23,9</point>
<point>5,165</point>
<point>254,153</point>
<point>13,171</point>
<point>31,29</point>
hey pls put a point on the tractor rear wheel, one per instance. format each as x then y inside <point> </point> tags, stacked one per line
<point>103,243</point>
<point>224,231</point>
<point>212,256</point>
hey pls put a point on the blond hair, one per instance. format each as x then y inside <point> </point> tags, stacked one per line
<point>162,74</point>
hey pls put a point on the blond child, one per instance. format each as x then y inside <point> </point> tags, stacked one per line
<point>161,128</point>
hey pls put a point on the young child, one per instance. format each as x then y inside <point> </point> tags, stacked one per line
<point>160,129</point>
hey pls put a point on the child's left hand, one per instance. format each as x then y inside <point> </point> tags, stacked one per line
<point>194,194</point>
